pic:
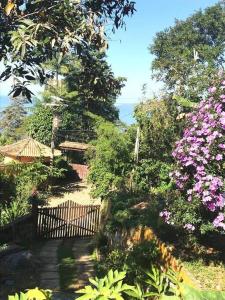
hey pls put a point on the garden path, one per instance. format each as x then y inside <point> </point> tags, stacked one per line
<point>78,191</point>
<point>84,262</point>
<point>50,278</point>
<point>50,273</point>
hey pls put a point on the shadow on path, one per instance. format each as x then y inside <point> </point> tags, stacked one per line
<point>50,275</point>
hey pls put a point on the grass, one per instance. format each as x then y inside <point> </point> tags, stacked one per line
<point>209,277</point>
<point>67,265</point>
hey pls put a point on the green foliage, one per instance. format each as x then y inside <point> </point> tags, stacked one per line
<point>13,211</point>
<point>110,161</point>
<point>123,213</point>
<point>152,176</point>
<point>188,54</point>
<point>61,164</point>
<point>184,212</point>
<point>34,176</point>
<point>109,287</point>
<point>158,281</point>
<point>20,296</point>
<point>160,285</point>
<point>24,178</point>
<point>31,34</point>
<point>11,119</point>
<point>88,86</point>
<point>37,294</point>
<point>159,128</point>
<point>3,247</point>
<point>39,124</point>
<point>96,86</point>
<point>7,187</point>
<point>67,264</point>
<point>189,293</point>
<point>186,103</point>
<point>133,261</point>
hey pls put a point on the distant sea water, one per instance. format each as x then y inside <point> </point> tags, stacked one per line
<point>126,110</point>
<point>4,101</point>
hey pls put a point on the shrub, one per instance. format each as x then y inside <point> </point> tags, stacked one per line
<point>66,169</point>
<point>133,261</point>
<point>199,172</point>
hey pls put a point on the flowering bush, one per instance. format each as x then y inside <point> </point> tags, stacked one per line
<point>199,156</point>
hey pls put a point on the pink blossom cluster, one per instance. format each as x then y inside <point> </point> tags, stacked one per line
<point>200,154</point>
<point>189,227</point>
<point>165,215</point>
<point>219,221</point>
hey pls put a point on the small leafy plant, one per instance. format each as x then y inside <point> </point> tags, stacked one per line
<point>37,294</point>
<point>109,287</point>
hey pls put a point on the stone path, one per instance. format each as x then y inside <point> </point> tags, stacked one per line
<point>50,274</point>
<point>84,262</point>
<point>78,192</point>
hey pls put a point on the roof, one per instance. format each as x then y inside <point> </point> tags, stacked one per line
<point>74,146</point>
<point>27,148</point>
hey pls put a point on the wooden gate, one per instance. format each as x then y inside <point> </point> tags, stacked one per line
<point>68,219</point>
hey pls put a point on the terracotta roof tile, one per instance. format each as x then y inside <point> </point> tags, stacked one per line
<point>27,148</point>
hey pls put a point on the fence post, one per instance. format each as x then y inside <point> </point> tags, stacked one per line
<point>34,219</point>
<point>34,211</point>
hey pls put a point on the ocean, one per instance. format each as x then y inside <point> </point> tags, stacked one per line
<point>126,110</point>
<point>4,101</point>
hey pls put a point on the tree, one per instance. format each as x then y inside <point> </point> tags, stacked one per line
<point>11,118</point>
<point>188,55</point>
<point>110,161</point>
<point>96,85</point>
<point>88,86</point>
<point>159,129</point>
<point>39,124</point>
<point>32,32</point>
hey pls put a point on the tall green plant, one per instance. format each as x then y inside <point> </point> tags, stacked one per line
<point>110,161</point>
<point>109,287</point>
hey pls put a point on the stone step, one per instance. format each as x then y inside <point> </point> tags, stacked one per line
<point>50,275</point>
<point>51,284</point>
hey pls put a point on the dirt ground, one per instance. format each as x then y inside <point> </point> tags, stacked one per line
<point>78,192</point>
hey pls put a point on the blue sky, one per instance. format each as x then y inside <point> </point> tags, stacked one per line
<point>128,49</point>
<point>128,53</point>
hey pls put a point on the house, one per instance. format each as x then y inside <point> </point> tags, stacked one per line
<point>75,154</point>
<point>26,151</point>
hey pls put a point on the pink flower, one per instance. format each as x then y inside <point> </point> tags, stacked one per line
<point>198,154</point>
<point>212,90</point>
<point>219,157</point>
<point>218,221</point>
<point>165,215</point>
<point>189,227</point>
<point>220,201</point>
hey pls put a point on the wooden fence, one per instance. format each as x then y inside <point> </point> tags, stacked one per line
<point>128,237</point>
<point>68,219</point>
<point>20,229</point>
